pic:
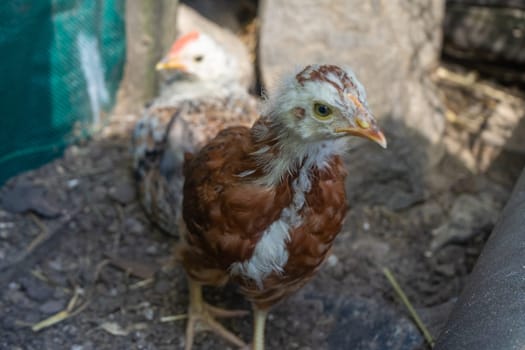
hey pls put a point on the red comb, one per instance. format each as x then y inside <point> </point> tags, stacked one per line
<point>183,41</point>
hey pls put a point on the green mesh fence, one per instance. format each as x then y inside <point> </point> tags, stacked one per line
<point>60,65</point>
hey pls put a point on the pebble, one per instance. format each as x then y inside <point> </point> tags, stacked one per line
<point>375,248</point>
<point>149,314</point>
<point>4,225</point>
<point>24,197</point>
<point>36,290</point>
<point>60,293</point>
<point>113,227</point>
<point>4,234</point>
<point>52,306</point>
<point>332,260</point>
<point>447,270</point>
<point>152,250</point>
<point>99,193</point>
<point>124,193</point>
<point>72,183</point>
<point>16,297</point>
<point>7,322</point>
<point>85,346</point>
<point>31,317</point>
<point>133,226</point>
<point>162,286</point>
<point>59,278</point>
<point>56,265</point>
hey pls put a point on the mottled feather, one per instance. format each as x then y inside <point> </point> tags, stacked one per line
<point>165,135</point>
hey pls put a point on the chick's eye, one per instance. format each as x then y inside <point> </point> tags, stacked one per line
<point>322,111</point>
<point>198,58</point>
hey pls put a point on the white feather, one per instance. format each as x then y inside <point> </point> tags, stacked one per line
<point>270,254</point>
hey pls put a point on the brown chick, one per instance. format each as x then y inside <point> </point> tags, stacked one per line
<point>263,205</point>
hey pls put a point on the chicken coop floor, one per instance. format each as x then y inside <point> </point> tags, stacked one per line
<point>84,269</point>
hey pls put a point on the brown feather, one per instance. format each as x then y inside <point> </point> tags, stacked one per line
<point>226,215</point>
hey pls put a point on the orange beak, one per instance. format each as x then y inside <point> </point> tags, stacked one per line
<point>364,129</point>
<point>370,134</point>
<point>170,63</point>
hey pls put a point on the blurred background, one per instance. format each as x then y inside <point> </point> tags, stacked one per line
<point>68,61</point>
<point>445,78</point>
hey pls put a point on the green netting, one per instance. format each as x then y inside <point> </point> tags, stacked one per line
<point>60,65</point>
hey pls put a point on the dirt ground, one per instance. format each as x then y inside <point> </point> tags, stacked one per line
<point>86,257</point>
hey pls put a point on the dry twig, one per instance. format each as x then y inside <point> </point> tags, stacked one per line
<point>62,315</point>
<point>408,305</point>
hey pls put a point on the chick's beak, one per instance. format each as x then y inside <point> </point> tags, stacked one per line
<point>373,134</point>
<point>364,128</point>
<point>170,63</point>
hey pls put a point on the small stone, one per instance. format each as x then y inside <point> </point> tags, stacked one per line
<point>56,265</point>
<point>72,183</point>
<point>36,290</point>
<point>109,303</point>
<point>58,278</point>
<point>467,216</point>
<point>376,249</point>
<point>69,329</point>
<point>4,234</point>
<point>113,227</point>
<point>16,297</point>
<point>124,193</point>
<point>152,250</point>
<point>60,293</point>
<point>162,286</point>
<point>25,197</point>
<point>52,306</point>
<point>149,314</point>
<point>4,225</point>
<point>133,226</point>
<point>31,317</point>
<point>99,193</point>
<point>332,260</point>
<point>7,322</point>
<point>447,270</point>
<point>85,346</point>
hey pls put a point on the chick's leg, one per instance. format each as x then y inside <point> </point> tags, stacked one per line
<point>259,322</point>
<point>201,316</point>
